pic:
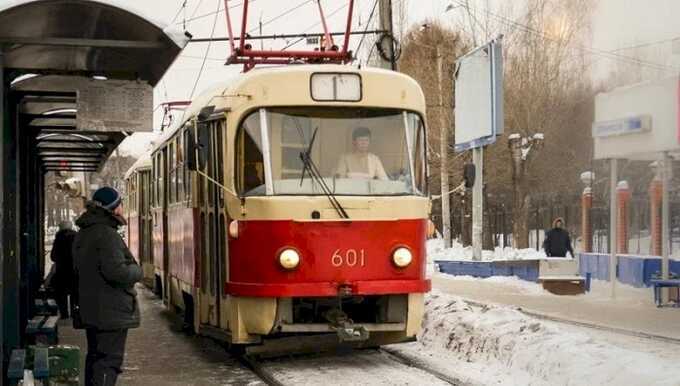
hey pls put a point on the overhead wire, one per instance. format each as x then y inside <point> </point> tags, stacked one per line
<point>312,26</point>
<point>194,18</point>
<point>591,50</point>
<point>179,11</point>
<point>281,15</point>
<point>368,23</point>
<point>207,51</point>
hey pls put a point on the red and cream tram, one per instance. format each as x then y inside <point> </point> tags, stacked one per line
<point>293,200</point>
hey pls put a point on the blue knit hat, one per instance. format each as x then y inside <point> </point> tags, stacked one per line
<point>107,197</point>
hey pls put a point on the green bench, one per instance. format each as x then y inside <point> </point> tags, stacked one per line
<point>44,365</point>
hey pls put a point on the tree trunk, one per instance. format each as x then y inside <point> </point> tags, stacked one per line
<point>520,224</point>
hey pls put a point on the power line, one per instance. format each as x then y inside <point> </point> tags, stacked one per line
<point>212,13</point>
<point>197,7</point>
<point>284,36</point>
<point>642,45</point>
<point>368,23</point>
<point>312,26</point>
<point>179,11</point>
<point>591,50</point>
<point>281,15</point>
<point>202,57</point>
<point>207,50</point>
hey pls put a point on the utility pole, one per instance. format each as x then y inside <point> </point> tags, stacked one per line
<point>612,224</point>
<point>444,150</point>
<point>478,203</point>
<point>387,42</point>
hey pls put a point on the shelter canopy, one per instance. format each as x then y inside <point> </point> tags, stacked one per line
<point>96,37</point>
<point>78,121</point>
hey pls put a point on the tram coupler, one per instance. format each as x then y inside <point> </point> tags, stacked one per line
<point>352,333</point>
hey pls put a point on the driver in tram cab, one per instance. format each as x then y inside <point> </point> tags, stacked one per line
<point>361,163</point>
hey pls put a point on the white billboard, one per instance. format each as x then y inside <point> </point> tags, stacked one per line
<point>639,121</point>
<point>479,97</point>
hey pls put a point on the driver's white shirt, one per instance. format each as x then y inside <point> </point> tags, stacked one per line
<point>357,165</point>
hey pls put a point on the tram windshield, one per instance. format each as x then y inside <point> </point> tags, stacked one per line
<point>322,150</point>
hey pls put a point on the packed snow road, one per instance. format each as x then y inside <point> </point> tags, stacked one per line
<point>362,367</point>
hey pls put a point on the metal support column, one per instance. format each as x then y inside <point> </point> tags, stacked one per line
<point>478,203</point>
<point>612,225</point>
<point>3,301</point>
<point>665,220</point>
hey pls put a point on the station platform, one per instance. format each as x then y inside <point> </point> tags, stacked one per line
<point>632,310</point>
<point>159,353</point>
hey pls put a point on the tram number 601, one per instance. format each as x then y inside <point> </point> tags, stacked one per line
<point>350,258</point>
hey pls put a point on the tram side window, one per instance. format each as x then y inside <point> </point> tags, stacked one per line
<point>187,173</point>
<point>180,168</point>
<point>153,181</point>
<point>162,171</point>
<point>172,196</point>
<point>249,157</point>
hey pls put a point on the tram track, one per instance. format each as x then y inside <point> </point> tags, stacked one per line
<point>382,366</point>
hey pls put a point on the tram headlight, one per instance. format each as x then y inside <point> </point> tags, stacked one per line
<point>289,258</point>
<point>233,229</point>
<point>402,257</point>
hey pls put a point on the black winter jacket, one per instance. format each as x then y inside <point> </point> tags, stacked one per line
<point>557,243</point>
<point>62,257</point>
<point>106,272</point>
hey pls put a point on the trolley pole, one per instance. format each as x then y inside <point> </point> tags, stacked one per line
<point>444,150</point>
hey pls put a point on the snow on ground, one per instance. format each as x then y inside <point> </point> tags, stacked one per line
<point>436,251</point>
<point>497,344</point>
<point>368,367</point>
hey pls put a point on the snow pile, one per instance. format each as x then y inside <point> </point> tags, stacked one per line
<point>436,251</point>
<point>504,283</point>
<point>504,339</point>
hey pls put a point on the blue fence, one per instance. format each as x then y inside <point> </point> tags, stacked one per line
<point>523,269</point>
<point>636,271</point>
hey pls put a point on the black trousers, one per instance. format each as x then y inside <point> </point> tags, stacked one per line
<point>105,353</point>
<point>61,297</point>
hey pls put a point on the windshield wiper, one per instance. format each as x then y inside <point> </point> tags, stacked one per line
<point>309,165</point>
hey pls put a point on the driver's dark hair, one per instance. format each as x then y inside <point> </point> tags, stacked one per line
<point>361,132</point>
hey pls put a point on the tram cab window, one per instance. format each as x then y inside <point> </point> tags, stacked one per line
<point>352,151</point>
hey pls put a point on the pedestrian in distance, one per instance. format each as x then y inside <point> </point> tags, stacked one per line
<point>107,273</point>
<point>557,242</point>
<point>63,281</point>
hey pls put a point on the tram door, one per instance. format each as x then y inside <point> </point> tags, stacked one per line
<point>213,224</point>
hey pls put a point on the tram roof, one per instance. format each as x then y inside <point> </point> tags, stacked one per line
<point>236,86</point>
<point>143,162</point>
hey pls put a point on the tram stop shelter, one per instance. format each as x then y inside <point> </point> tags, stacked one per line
<point>77,77</point>
<point>639,122</point>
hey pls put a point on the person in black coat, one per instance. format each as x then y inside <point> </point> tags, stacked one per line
<point>107,273</point>
<point>63,280</point>
<point>557,242</point>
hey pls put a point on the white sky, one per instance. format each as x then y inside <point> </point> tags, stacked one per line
<point>616,24</point>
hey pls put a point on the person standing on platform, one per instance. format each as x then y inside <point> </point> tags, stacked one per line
<point>107,273</point>
<point>557,242</point>
<point>63,280</point>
